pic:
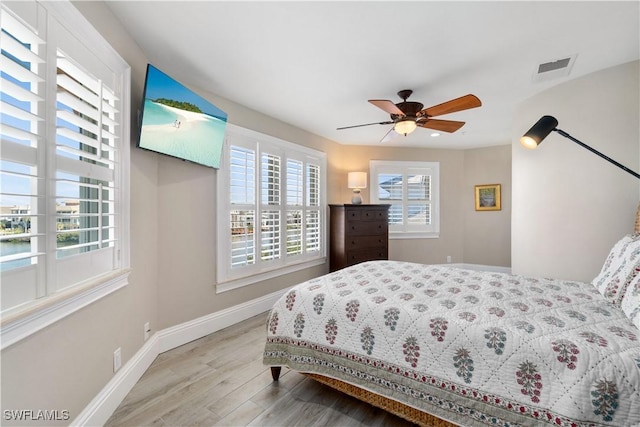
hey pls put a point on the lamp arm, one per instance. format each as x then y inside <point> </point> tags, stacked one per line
<point>594,151</point>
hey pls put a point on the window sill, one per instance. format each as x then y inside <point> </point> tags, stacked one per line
<point>245,281</point>
<point>18,325</point>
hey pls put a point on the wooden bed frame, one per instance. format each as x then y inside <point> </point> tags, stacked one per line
<point>392,406</point>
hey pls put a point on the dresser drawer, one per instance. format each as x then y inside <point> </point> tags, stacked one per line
<point>365,228</point>
<point>361,255</point>
<point>363,242</point>
<point>366,215</point>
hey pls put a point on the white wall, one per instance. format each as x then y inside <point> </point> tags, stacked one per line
<point>569,205</point>
<point>487,234</point>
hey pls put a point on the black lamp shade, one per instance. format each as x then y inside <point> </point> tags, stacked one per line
<point>546,125</point>
<point>539,131</point>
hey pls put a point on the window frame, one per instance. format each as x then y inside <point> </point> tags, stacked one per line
<point>406,231</point>
<point>229,278</point>
<point>49,19</point>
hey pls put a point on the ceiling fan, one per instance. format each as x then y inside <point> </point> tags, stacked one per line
<point>406,116</point>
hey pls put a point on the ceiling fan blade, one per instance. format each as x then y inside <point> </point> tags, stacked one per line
<point>458,104</point>
<point>366,124</point>
<point>387,106</point>
<point>443,125</point>
<point>392,134</point>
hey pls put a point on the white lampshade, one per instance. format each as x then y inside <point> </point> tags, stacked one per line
<point>405,127</point>
<point>357,180</point>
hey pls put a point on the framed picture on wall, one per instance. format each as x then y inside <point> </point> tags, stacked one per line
<point>488,197</point>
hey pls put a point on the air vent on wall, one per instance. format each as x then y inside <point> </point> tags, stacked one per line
<point>554,69</point>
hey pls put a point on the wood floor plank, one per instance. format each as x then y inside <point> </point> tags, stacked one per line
<point>242,394</point>
<point>195,417</point>
<point>219,380</point>
<point>146,390</point>
<point>242,415</point>
<point>268,396</point>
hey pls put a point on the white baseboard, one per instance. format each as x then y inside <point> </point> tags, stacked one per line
<point>107,401</point>
<point>186,332</point>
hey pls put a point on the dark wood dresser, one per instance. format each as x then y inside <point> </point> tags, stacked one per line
<point>357,233</point>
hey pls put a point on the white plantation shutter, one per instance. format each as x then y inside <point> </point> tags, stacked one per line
<point>270,235</point>
<point>63,156</point>
<point>419,199</point>
<point>412,191</point>
<point>85,162</point>
<point>294,232</point>
<point>294,183</point>
<point>270,180</point>
<point>295,192</point>
<point>242,169</point>
<point>273,193</point>
<point>242,238</point>
<point>22,167</point>
<point>271,209</point>
<point>313,229</point>
<point>313,185</point>
<point>390,190</point>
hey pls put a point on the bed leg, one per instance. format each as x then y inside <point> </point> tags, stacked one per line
<point>275,372</point>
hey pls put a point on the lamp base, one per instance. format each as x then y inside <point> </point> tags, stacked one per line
<point>356,199</point>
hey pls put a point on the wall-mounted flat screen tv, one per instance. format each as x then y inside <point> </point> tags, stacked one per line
<point>180,123</point>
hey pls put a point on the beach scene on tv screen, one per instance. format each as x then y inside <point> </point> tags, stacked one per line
<point>178,122</point>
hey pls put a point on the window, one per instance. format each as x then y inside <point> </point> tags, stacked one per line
<point>273,203</point>
<point>64,161</point>
<point>412,190</point>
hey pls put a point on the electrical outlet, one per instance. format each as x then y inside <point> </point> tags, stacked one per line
<point>147,331</point>
<point>449,259</point>
<point>117,359</point>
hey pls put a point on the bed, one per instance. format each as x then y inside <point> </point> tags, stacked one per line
<point>441,346</point>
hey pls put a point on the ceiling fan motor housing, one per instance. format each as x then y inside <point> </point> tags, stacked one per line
<point>409,109</point>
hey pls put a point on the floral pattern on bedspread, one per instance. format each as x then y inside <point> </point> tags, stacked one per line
<point>476,348</point>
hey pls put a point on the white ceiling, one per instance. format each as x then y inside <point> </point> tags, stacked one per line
<point>314,65</point>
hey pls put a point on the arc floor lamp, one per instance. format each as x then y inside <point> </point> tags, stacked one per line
<point>548,124</point>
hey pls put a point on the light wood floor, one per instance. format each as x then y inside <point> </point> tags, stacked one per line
<point>219,380</point>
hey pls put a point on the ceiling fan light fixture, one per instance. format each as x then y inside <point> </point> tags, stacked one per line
<point>405,127</point>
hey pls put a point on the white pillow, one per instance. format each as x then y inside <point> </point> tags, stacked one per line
<point>620,269</point>
<point>631,302</point>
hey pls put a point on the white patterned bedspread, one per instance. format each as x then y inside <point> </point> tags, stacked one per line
<point>474,348</point>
